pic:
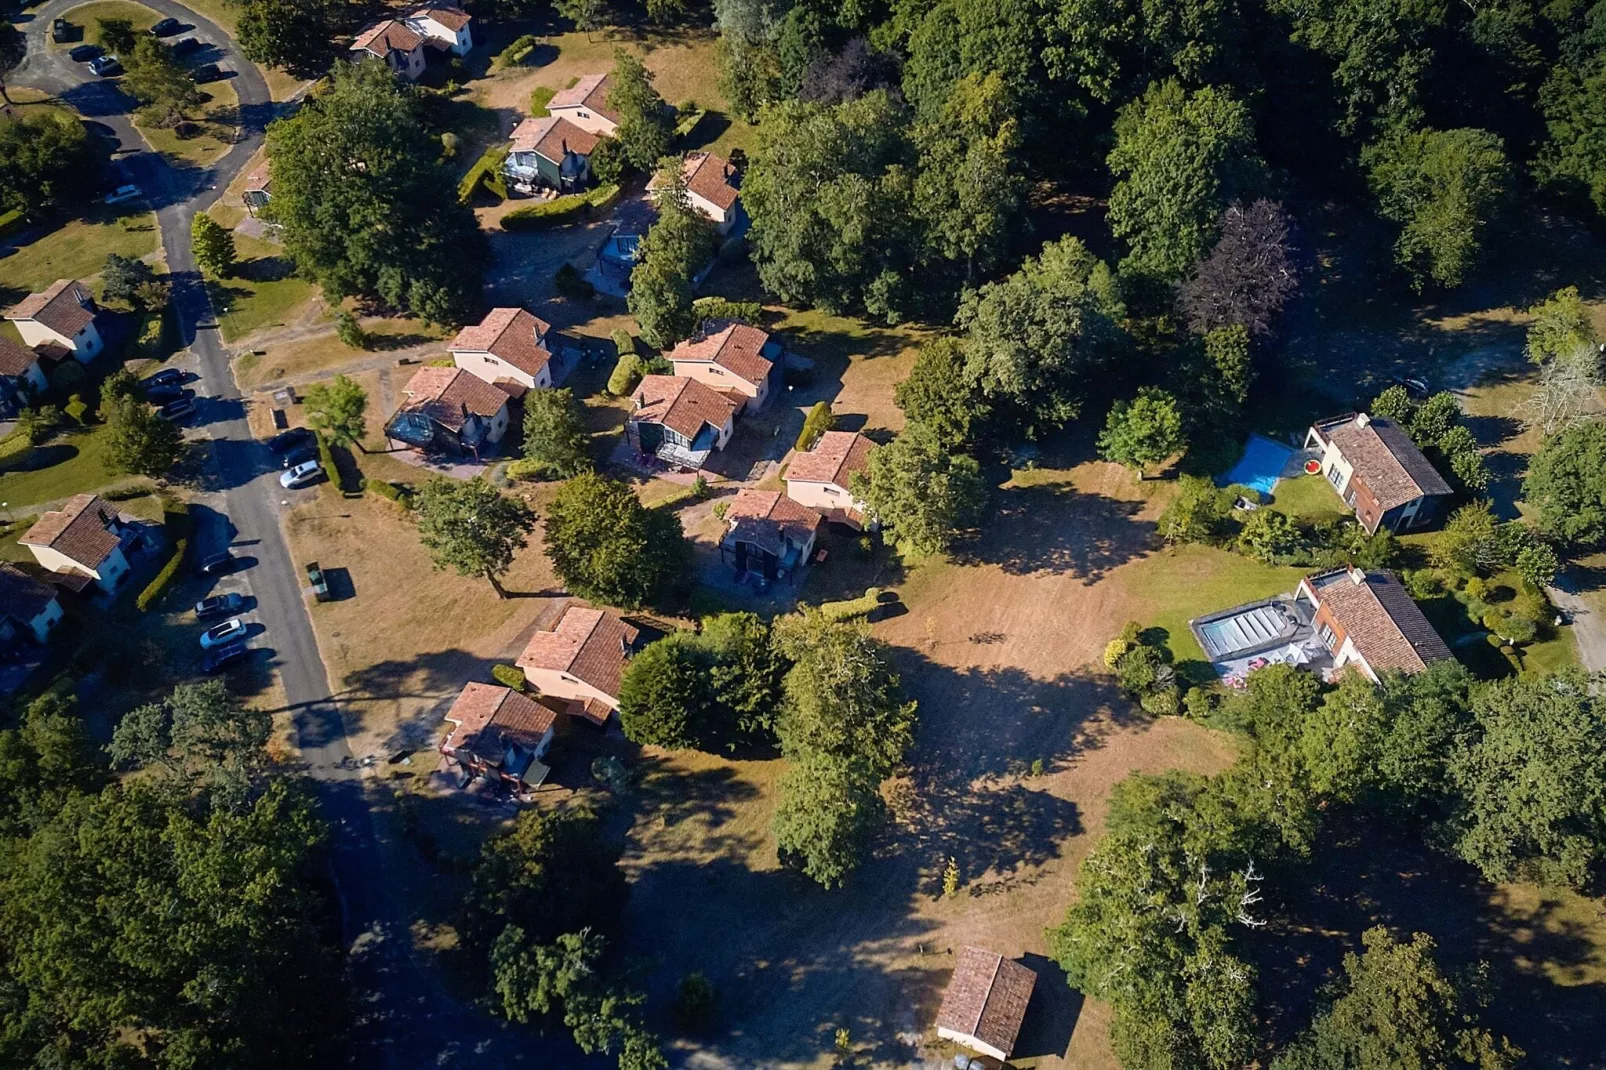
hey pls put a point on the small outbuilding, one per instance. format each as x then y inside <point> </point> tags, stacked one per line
<point>986,1002</point>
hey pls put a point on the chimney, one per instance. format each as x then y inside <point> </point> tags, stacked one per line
<point>1358,576</point>
<point>1362,420</point>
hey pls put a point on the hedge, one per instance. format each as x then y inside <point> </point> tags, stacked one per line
<point>685,124</point>
<point>563,210</point>
<point>123,494</point>
<point>723,308</point>
<point>517,50</point>
<point>626,374</point>
<point>152,340</point>
<point>852,608</point>
<point>326,457</point>
<point>386,489</point>
<point>487,170</point>
<point>176,519</point>
<point>815,424</point>
<point>508,676</point>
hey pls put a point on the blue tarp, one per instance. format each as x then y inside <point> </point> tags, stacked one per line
<point>1260,466</point>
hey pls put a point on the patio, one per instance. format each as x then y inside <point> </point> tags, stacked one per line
<point>1272,631</point>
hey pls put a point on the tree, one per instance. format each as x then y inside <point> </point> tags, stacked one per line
<point>664,698</point>
<point>292,34</point>
<point>336,410</point>
<point>13,49</point>
<point>201,733</point>
<point>139,442</point>
<point>1143,431</point>
<point>744,671</point>
<point>1034,339</point>
<point>585,14</point>
<point>937,393</point>
<point>1568,389</point>
<point>921,492</point>
<point>363,204</point>
<point>1197,513</point>
<point>1394,1007</point>
<point>1444,189</point>
<point>44,762</point>
<point>1531,782</point>
<point>1566,483</point>
<point>46,160</point>
<point>117,35</point>
<point>824,817</point>
<point>1249,274</point>
<point>1559,326</point>
<point>645,127</point>
<point>213,245</point>
<point>1179,159</point>
<point>1572,157</point>
<point>122,278</point>
<point>608,547</point>
<point>555,435</point>
<point>1268,534</point>
<point>471,527</point>
<point>166,92</point>
<point>678,245</point>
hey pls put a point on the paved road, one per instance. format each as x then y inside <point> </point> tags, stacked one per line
<point>407,1020</point>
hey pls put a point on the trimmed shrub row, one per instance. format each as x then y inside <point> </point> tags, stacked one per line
<point>852,608</point>
<point>563,210</point>
<point>517,50</point>
<point>627,372</point>
<point>326,457</point>
<point>487,171</point>
<point>815,424</point>
<point>176,519</point>
<point>723,308</point>
<point>386,489</point>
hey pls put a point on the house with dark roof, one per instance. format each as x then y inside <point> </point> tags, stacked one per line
<point>1369,620</point>
<point>550,151</point>
<point>449,411</point>
<point>1379,472</point>
<point>822,477</point>
<point>585,104</point>
<point>509,345</point>
<point>730,357</point>
<point>501,734</point>
<point>394,43</point>
<point>22,377</point>
<point>768,534</point>
<point>62,316</point>
<point>581,661</point>
<point>28,606</point>
<point>713,186</point>
<point>85,538</point>
<point>985,1002</point>
<point>679,420</point>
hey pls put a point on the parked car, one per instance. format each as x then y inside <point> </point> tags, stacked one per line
<point>216,565</point>
<point>162,393</point>
<point>84,53</point>
<point>60,31</point>
<point>106,66</point>
<point>219,605</point>
<point>285,440</point>
<point>185,45</point>
<point>177,410</point>
<point>166,28</point>
<point>320,586</point>
<point>122,193</point>
<point>163,378</point>
<point>224,656</point>
<point>210,72</point>
<point>1416,388</point>
<point>222,634</point>
<point>302,474</point>
<point>299,455</point>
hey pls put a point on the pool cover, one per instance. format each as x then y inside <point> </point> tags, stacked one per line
<point>1260,466</point>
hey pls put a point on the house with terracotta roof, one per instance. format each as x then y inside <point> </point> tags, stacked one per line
<point>985,1003</point>
<point>22,378</point>
<point>1369,620</point>
<point>508,346</point>
<point>679,420</point>
<point>501,734</point>
<point>28,606</point>
<point>585,104</point>
<point>550,151</point>
<point>443,26</point>
<point>822,478</point>
<point>62,316</point>
<point>86,537</point>
<point>768,534</point>
<point>731,357</point>
<point>713,186</point>
<point>1379,472</point>
<point>449,411</point>
<point>394,43</point>
<point>581,661</point>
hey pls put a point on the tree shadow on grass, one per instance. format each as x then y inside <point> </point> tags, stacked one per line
<point>1058,529</point>
<point>38,458</point>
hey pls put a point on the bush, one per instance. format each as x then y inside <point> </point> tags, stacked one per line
<point>66,375</point>
<point>37,425</point>
<point>568,282</point>
<point>1422,583</point>
<point>517,51</point>
<point>508,676</point>
<point>563,210</point>
<point>386,489</point>
<point>699,487</point>
<point>77,408</point>
<point>540,97</point>
<point>695,1003</point>
<point>723,308</point>
<point>349,331</point>
<point>152,340</point>
<point>176,519</point>
<point>326,457</point>
<point>815,424</point>
<point>126,494</point>
<point>523,469</point>
<point>487,171</point>
<point>626,374</point>
<point>449,145</point>
<point>852,608</point>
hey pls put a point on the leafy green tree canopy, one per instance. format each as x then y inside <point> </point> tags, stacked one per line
<point>471,527</point>
<point>555,434</point>
<point>924,494</point>
<point>337,409</point>
<point>607,547</point>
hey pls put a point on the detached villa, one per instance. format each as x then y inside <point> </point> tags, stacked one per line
<point>985,1004</point>
<point>713,187</point>
<point>508,348</point>
<point>679,420</point>
<point>585,104</point>
<point>400,42</point>
<point>28,606</point>
<point>730,357</point>
<point>87,541</point>
<point>768,534</point>
<point>1379,472</point>
<point>581,661</point>
<point>550,152</point>
<point>821,478</point>
<point>59,322</point>
<point>22,378</point>
<point>1332,620</point>
<point>449,411</point>
<point>501,734</point>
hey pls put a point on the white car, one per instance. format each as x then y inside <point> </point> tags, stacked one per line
<point>233,628</point>
<point>301,475</point>
<point>121,194</point>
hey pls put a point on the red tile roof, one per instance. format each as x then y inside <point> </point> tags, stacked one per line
<point>16,358</point>
<point>1386,625</point>
<point>593,710</point>
<point>711,177</point>
<point>769,520</point>
<point>736,347</point>
<point>987,998</point>
<point>551,137</point>
<point>589,92</point>
<point>382,38</point>
<point>1385,458</point>
<point>833,459</point>
<point>487,718</point>
<point>592,645</point>
<point>22,597</point>
<point>64,307</point>
<point>79,531</point>
<point>446,395</point>
<point>680,404</point>
<point>452,18</point>
<point>511,334</point>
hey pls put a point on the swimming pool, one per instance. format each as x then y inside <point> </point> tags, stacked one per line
<point>1260,466</point>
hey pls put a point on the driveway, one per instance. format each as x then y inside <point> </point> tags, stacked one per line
<point>407,1020</point>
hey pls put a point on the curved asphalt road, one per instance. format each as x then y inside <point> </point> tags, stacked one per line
<point>405,1019</point>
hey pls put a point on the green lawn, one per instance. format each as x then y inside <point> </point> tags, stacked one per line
<point>1309,498</point>
<point>78,250</point>
<point>217,121</point>
<point>86,16</point>
<point>261,293</point>
<point>66,465</point>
